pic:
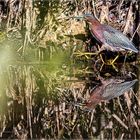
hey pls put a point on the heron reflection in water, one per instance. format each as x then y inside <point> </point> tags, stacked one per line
<point>109,89</point>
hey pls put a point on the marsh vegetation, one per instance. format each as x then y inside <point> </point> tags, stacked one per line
<point>46,73</point>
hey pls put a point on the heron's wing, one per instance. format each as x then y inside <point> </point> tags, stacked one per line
<point>116,39</point>
<point>116,89</point>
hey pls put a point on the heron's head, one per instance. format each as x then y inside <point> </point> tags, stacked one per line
<point>89,17</point>
<point>86,17</point>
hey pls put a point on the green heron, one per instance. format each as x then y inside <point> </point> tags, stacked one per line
<point>110,38</point>
<point>108,90</point>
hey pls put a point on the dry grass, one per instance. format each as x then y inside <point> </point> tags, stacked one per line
<point>42,81</point>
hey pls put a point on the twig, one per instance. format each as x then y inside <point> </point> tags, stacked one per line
<point>135,31</point>
<point>120,121</point>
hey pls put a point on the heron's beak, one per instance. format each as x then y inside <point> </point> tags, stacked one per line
<point>84,16</point>
<point>78,17</point>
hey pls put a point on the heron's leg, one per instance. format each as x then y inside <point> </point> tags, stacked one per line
<point>112,63</point>
<point>109,62</point>
<point>114,67</point>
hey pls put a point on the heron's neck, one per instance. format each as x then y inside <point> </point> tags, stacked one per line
<point>95,22</point>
